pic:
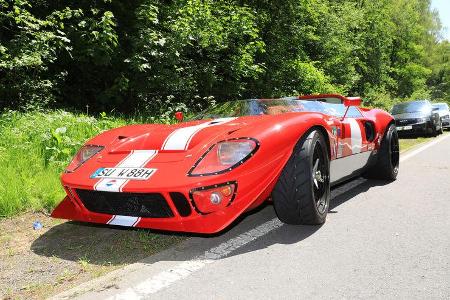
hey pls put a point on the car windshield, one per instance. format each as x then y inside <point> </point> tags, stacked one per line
<point>441,106</point>
<point>254,107</point>
<point>411,107</point>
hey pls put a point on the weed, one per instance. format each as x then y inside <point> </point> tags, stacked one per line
<point>84,263</point>
<point>34,149</point>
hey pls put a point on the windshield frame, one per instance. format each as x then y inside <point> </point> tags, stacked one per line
<point>332,106</point>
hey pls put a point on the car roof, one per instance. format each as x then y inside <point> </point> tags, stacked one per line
<point>413,101</point>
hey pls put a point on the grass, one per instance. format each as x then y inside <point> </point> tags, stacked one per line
<point>34,149</point>
<point>408,143</point>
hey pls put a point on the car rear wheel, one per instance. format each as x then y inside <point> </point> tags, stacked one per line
<point>435,131</point>
<point>388,160</point>
<point>302,193</point>
<point>441,128</point>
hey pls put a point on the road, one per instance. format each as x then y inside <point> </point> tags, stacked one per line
<point>380,241</point>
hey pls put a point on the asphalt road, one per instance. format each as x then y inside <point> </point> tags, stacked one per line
<point>380,241</point>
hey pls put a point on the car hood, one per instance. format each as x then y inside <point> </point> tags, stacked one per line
<point>412,115</point>
<point>443,113</point>
<point>174,138</point>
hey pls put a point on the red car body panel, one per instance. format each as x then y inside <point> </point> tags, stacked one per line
<point>178,147</point>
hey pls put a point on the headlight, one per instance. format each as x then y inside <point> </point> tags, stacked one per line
<point>224,156</point>
<point>83,155</point>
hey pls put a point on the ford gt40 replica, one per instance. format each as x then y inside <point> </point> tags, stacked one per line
<point>200,175</point>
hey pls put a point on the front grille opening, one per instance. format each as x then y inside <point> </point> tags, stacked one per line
<point>181,203</point>
<point>152,205</point>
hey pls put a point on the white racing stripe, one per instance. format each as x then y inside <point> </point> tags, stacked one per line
<point>356,137</point>
<point>124,221</point>
<point>136,159</point>
<point>180,138</point>
<point>164,279</point>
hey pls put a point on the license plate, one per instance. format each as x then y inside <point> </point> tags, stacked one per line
<point>124,173</point>
<point>400,128</point>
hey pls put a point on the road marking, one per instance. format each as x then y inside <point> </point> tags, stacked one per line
<point>424,147</point>
<point>183,270</point>
<point>164,279</point>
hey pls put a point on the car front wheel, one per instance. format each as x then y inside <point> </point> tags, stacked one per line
<point>302,193</point>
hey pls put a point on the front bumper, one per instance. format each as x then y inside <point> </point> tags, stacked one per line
<point>253,188</point>
<point>416,128</point>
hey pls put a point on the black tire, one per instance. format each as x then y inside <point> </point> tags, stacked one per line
<point>441,130</point>
<point>434,131</point>
<point>388,159</point>
<point>298,197</point>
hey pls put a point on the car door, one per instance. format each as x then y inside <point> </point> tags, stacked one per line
<point>355,143</point>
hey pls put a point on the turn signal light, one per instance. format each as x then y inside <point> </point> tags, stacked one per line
<point>213,198</point>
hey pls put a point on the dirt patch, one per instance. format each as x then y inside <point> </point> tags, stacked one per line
<point>35,264</point>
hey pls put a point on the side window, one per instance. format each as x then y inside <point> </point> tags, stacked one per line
<point>338,110</point>
<point>353,112</point>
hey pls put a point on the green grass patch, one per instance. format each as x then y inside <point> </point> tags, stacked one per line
<point>408,143</point>
<point>34,149</point>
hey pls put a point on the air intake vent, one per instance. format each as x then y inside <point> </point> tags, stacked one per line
<point>181,203</point>
<point>127,204</point>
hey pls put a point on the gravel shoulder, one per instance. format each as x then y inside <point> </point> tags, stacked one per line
<point>35,264</point>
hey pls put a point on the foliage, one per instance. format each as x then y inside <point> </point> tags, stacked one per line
<point>155,56</point>
<point>440,77</point>
<point>34,149</point>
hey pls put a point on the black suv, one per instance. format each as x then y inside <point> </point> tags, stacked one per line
<point>417,117</point>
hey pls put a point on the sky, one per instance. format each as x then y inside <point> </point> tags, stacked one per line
<point>443,6</point>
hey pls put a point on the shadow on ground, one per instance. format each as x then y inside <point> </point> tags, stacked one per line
<point>102,244</point>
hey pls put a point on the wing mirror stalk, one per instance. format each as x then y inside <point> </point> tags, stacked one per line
<point>351,101</point>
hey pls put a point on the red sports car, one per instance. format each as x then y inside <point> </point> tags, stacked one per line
<point>200,175</point>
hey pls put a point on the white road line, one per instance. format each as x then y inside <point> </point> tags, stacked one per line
<point>166,278</point>
<point>424,147</point>
<point>183,270</point>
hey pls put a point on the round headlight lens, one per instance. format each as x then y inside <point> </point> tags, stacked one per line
<point>83,155</point>
<point>230,153</point>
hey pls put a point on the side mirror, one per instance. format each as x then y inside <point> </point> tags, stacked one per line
<point>352,101</point>
<point>179,116</point>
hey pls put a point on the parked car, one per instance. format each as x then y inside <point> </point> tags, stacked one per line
<point>417,117</point>
<point>443,110</point>
<point>200,175</point>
